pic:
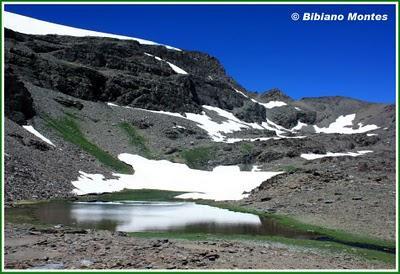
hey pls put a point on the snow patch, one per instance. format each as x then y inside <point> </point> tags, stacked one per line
<point>299,126</point>
<point>343,125</point>
<point>242,93</point>
<point>372,134</point>
<point>256,168</point>
<point>312,156</point>
<point>273,104</point>
<point>29,25</point>
<point>174,68</point>
<point>112,104</point>
<point>217,130</point>
<point>222,183</point>
<point>37,134</point>
<point>178,126</point>
<point>214,129</point>
<point>175,114</point>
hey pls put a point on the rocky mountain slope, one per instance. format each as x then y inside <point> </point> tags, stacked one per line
<point>95,98</point>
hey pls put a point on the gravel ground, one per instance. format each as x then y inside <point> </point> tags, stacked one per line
<point>62,248</point>
<point>351,194</point>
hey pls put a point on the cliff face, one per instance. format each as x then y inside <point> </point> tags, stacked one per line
<point>127,73</point>
<point>98,97</point>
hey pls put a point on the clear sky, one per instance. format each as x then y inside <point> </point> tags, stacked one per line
<point>259,45</point>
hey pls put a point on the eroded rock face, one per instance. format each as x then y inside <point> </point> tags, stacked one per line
<point>127,73</point>
<point>274,95</point>
<point>288,117</point>
<point>18,101</point>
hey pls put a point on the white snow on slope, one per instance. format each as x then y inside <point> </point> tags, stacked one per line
<point>223,183</point>
<point>30,25</point>
<point>174,68</point>
<point>312,156</point>
<point>37,134</point>
<point>299,126</point>
<point>242,93</point>
<point>235,140</point>
<point>343,125</point>
<point>178,126</point>
<point>269,105</point>
<point>230,124</point>
<point>273,104</point>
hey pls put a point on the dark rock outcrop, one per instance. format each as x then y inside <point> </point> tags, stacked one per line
<point>18,101</point>
<point>274,95</point>
<point>125,72</point>
<point>69,103</point>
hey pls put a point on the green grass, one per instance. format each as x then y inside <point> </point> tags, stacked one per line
<point>72,115</point>
<point>20,215</point>
<point>290,222</point>
<point>69,129</point>
<point>198,157</point>
<point>246,147</point>
<point>136,140</point>
<point>134,195</point>
<point>328,246</point>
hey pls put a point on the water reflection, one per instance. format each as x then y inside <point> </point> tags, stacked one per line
<point>133,216</point>
<point>156,216</point>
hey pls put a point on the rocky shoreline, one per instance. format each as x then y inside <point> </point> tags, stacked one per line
<point>27,247</point>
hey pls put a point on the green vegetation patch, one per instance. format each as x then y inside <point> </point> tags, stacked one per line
<point>72,115</point>
<point>68,128</point>
<point>290,222</point>
<point>136,139</point>
<point>328,246</point>
<point>289,169</point>
<point>134,195</point>
<point>246,147</point>
<point>198,157</point>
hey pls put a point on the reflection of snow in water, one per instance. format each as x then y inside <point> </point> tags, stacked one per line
<point>150,216</point>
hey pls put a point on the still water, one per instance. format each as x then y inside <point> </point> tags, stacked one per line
<point>136,216</point>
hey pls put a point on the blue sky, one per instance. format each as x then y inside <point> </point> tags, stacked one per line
<point>259,45</point>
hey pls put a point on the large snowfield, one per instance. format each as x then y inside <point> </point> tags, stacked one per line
<point>222,183</point>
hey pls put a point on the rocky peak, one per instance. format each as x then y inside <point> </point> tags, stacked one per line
<point>275,95</point>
